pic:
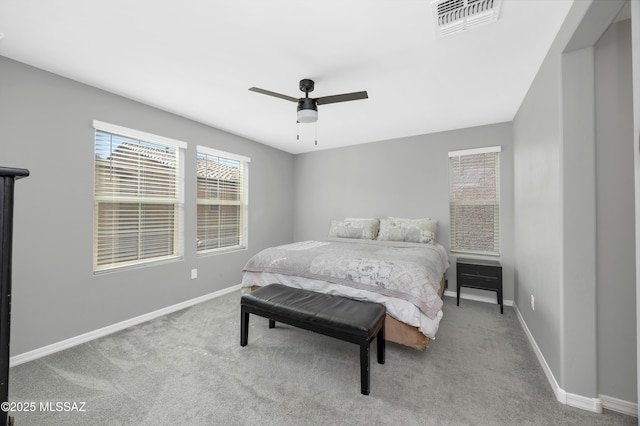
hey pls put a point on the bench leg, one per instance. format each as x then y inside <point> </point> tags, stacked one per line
<point>244,326</point>
<point>381,345</point>
<point>364,368</point>
<point>272,323</point>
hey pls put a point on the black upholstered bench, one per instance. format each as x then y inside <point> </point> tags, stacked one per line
<point>351,320</point>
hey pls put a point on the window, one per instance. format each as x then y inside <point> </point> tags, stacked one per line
<point>222,201</point>
<point>474,178</point>
<point>138,197</point>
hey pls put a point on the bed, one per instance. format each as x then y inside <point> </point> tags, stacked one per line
<point>393,261</point>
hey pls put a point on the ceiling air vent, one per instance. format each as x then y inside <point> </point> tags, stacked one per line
<point>454,16</point>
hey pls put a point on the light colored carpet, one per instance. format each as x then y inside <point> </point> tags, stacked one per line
<point>188,368</point>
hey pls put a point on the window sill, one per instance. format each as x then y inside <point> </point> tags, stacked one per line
<point>138,265</point>
<point>214,252</point>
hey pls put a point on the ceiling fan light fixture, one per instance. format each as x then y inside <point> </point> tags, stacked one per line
<point>307,110</point>
<point>307,116</point>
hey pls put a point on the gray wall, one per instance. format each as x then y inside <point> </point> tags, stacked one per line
<point>46,127</point>
<point>538,210</point>
<point>578,223</point>
<point>406,177</point>
<point>635,59</point>
<point>573,206</point>
<point>615,214</point>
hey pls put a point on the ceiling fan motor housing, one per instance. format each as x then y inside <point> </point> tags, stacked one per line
<point>307,103</point>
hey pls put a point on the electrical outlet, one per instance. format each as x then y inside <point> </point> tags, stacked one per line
<point>533,305</point>
<point>194,274</point>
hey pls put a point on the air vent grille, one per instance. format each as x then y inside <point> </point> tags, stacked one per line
<point>453,16</point>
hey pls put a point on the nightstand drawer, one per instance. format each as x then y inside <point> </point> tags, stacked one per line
<point>479,282</point>
<point>479,271</point>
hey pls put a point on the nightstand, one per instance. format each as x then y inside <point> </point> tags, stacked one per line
<point>480,274</point>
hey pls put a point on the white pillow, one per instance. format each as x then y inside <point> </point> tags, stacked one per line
<point>410,230</point>
<point>354,228</point>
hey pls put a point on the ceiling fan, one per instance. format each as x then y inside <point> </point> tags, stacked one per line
<point>308,107</point>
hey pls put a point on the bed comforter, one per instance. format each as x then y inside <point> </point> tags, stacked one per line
<point>410,272</point>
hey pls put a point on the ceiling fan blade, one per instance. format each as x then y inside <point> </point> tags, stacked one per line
<point>342,98</point>
<point>270,93</point>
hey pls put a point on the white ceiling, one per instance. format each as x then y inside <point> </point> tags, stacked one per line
<point>198,58</point>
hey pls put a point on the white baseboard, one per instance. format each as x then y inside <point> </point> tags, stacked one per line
<point>590,404</point>
<point>618,405</point>
<point>101,332</point>
<point>477,298</point>
<point>594,405</point>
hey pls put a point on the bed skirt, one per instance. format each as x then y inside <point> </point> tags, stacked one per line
<point>405,334</point>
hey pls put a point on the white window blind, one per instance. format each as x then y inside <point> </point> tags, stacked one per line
<point>474,178</point>
<point>138,197</point>
<point>222,200</point>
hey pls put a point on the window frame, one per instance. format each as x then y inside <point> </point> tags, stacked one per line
<point>243,202</point>
<point>178,201</point>
<point>496,203</point>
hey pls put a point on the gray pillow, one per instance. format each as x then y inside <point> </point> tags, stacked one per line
<point>354,228</point>
<point>410,230</point>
